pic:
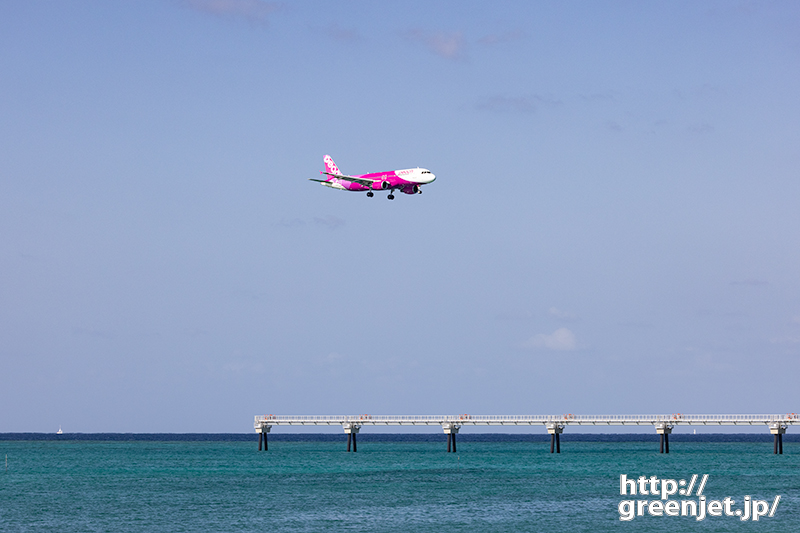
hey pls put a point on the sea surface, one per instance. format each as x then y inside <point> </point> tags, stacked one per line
<point>154,483</point>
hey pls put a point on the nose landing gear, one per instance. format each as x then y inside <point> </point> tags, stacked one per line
<point>391,196</point>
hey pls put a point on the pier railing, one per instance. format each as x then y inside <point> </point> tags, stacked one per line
<point>568,419</point>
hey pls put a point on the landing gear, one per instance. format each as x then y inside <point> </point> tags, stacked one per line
<point>391,197</point>
<point>370,194</point>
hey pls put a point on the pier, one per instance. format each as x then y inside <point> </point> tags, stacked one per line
<point>555,424</point>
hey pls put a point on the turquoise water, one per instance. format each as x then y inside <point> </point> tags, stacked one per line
<point>387,486</point>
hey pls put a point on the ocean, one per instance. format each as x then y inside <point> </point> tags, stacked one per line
<point>404,482</point>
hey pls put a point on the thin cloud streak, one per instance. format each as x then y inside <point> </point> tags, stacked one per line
<point>499,38</point>
<point>337,33</point>
<point>505,104</point>
<point>255,11</point>
<point>516,104</point>
<point>329,221</point>
<point>701,128</point>
<point>562,315</point>
<point>750,282</point>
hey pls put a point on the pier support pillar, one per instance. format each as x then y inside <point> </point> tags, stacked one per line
<point>451,430</point>
<point>663,429</point>
<point>777,431</point>
<point>262,431</point>
<point>555,431</point>
<point>351,429</point>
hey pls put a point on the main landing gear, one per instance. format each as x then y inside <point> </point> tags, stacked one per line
<point>370,194</point>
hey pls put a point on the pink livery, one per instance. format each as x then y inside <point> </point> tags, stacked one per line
<point>408,181</point>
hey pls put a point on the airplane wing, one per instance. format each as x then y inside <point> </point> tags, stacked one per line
<point>366,182</point>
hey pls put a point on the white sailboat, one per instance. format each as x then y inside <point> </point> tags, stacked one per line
<point>59,432</point>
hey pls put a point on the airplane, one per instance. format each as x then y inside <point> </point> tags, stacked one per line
<point>408,181</point>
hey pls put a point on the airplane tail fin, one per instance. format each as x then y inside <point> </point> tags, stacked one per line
<point>330,166</point>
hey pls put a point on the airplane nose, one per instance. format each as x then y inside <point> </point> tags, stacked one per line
<point>431,177</point>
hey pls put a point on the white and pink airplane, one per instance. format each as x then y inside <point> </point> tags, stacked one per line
<point>408,181</point>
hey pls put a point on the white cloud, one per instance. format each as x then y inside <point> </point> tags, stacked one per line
<point>561,339</point>
<point>449,45</point>
<point>333,357</point>
<point>558,313</point>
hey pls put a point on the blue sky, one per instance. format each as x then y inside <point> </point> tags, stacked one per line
<point>613,229</point>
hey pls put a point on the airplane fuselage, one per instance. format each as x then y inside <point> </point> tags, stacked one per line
<point>408,180</point>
